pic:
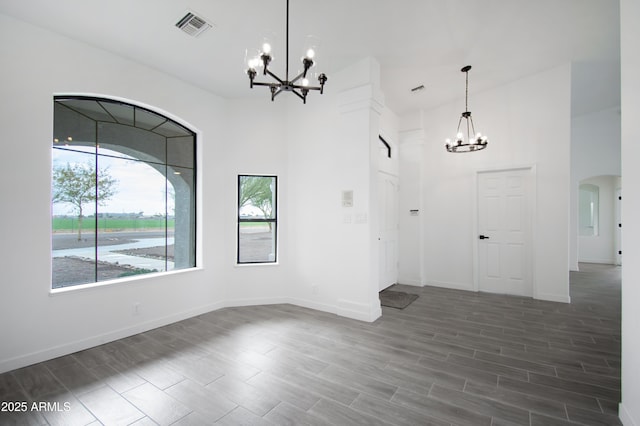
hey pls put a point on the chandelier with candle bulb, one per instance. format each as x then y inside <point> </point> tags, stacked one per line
<point>298,85</point>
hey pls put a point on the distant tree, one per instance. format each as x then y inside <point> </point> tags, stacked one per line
<point>78,184</point>
<point>256,191</point>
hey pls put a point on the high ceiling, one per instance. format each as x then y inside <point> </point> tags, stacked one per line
<point>417,42</point>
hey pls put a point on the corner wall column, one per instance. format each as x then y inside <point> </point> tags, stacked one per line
<point>360,109</point>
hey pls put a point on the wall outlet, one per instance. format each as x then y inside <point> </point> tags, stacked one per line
<point>136,309</point>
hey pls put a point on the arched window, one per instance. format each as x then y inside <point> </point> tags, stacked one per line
<point>123,191</point>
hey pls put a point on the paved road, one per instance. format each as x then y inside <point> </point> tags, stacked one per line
<point>68,245</point>
<point>70,240</point>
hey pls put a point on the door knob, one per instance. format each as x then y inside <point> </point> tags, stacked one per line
<point>483,237</point>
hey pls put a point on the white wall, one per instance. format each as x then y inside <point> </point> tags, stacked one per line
<point>388,129</point>
<point>528,123</point>
<point>411,203</point>
<point>410,209</point>
<point>317,151</point>
<point>333,148</point>
<point>36,324</point>
<point>630,63</point>
<point>255,143</point>
<point>601,248</point>
<point>595,151</point>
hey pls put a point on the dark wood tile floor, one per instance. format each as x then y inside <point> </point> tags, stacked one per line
<point>450,358</point>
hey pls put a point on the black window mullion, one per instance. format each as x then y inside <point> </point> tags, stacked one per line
<point>95,208</point>
<point>275,218</point>
<point>239,221</point>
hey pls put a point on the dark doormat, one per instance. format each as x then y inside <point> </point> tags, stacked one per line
<point>396,299</point>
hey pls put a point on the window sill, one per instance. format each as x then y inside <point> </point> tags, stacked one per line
<point>119,281</point>
<point>243,265</point>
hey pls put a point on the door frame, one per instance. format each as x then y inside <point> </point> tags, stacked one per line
<point>532,204</point>
<point>617,236</point>
<point>396,180</point>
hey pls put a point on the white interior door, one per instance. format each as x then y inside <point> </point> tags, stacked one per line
<point>388,232</point>
<point>504,228</point>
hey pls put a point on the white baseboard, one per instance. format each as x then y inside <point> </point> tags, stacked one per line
<point>345,308</point>
<point>79,345</point>
<point>469,287</point>
<point>562,298</point>
<point>414,282</point>
<point>453,286</point>
<point>255,301</point>
<point>601,261</point>
<point>358,311</point>
<point>311,304</point>
<point>625,416</point>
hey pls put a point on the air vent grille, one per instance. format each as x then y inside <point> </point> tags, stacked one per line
<point>193,25</point>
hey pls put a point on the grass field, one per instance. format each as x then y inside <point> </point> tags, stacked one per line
<point>68,224</point>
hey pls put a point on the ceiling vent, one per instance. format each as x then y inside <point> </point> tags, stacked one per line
<point>193,25</point>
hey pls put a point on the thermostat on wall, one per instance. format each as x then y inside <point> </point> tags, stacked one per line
<point>347,198</point>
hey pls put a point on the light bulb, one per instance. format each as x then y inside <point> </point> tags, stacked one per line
<point>448,141</point>
<point>266,48</point>
<point>311,53</point>
<point>305,82</point>
<point>253,63</point>
<point>252,59</point>
<point>459,136</point>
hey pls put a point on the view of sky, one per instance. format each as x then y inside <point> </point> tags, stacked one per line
<point>140,187</point>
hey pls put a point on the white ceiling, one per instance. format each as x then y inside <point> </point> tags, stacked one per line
<point>416,41</point>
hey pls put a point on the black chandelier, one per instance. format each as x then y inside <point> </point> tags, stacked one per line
<point>298,85</point>
<point>474,141</point>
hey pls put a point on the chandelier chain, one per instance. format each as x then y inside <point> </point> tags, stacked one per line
<point>466,91</point>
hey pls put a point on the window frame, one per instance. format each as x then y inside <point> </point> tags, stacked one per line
<point>192,253</point>
<point>273,220</point>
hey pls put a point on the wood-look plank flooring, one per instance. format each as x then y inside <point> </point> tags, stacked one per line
<point>450,358</point>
